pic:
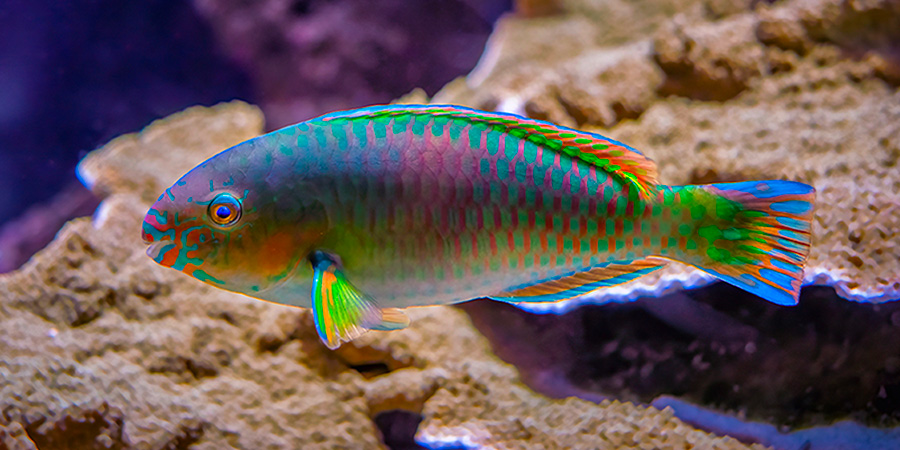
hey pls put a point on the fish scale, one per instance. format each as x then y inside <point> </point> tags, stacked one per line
<point>408,205</point>
<point>446,168</point>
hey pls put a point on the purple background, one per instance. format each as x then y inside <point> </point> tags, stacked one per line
<point>75,74</point>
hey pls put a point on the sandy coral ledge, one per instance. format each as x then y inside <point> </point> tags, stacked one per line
<point>102,348</point>
<point>727,90</point>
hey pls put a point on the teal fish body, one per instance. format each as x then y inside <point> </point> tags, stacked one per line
<point>356,213</point>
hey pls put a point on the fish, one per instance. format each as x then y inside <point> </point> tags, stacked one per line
<point>360,214</point>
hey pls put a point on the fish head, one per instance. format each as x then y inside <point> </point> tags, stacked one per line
<point>232,227</point>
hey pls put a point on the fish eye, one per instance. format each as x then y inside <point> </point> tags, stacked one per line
<point>225,210</point>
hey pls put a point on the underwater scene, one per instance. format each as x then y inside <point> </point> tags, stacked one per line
<point>450,224</point>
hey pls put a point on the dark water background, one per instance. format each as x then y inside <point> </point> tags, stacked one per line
<point>75,74</point>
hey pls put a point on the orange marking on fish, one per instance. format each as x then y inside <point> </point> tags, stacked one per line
<point>276,253</point>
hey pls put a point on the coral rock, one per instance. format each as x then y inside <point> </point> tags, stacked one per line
<point>145,163</point>
<point>802,90</point>
<point>103,348</point>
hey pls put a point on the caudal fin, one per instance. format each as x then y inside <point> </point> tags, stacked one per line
<point>758,237</point>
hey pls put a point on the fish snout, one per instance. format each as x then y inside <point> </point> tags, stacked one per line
<point>155,229</point>
<point>159,236</point>
<point>148,238</point>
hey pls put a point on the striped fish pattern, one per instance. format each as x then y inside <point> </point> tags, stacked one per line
<point>360,213</point>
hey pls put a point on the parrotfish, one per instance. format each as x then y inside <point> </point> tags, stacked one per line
<point>358,214</point>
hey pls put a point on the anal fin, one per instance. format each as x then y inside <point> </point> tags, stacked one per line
<point>341,311</point>
<point>580,283</point>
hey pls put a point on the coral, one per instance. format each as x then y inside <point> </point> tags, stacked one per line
<point>308,57</point>
<point>727,91</point>
<point>102,348</point>
<point>21,237</point>
<point>126,165</point>
<point>821,362</point>
<point>839,436</point>
<point>537,8</point>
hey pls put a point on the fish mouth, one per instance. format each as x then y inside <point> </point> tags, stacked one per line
<point>154,249</point>
<point>158,244</point>
<point>162,252</point>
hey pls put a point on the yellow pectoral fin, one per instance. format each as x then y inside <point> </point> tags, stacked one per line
<point>341,311</point>
<point>581,283</point>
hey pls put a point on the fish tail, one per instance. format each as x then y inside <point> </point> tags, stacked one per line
<point>754,235</point>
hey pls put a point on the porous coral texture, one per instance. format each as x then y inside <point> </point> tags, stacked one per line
<point>102,348</point>
<point>729,90</point>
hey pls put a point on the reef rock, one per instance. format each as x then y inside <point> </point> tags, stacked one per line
<point>102,348</point>
<point>308,57</point>
<point>728,90</point>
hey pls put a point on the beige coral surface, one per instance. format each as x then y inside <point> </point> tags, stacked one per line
<point>728,90</point>
<point>102,348</point>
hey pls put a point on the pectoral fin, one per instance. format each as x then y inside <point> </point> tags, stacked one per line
<point>341,311</point>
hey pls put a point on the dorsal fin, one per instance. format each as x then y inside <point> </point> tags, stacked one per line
<point>580,283</point>
<point>627,164</point>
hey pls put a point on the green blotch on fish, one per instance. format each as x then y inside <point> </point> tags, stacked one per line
<point>476,131</point>
<point>521,172</point>
<point>621,205</point>
<point>492,142</point>
<point>697,212</point>
<point>529,152</point>
<point>511,147</point>
<point>419,123</point>
<point>485,169</point>
<point>557,224</point>
<point>717,254</point>
<point>710,233</point>
<point>439,126</point>
<point>691,244</point>
<point>539,174</point>
<point>340,136</point>
<point>321,138</point>
<point>556,179</point>
<point>602,245</point>
<point>379,128</point>
<point>162,218</point>
<point>455,131</point>
<point>401,123</point>
<point>502,169</point>
<point>359,132</point>
<point>205,277</point>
